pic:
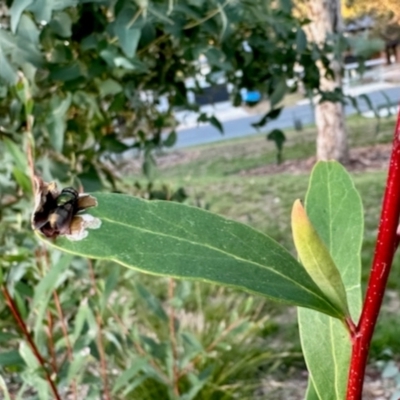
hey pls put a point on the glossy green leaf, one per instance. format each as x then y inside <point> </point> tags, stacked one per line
<point>167,238</point>
<point>316,259</point>
<point>334,207</point>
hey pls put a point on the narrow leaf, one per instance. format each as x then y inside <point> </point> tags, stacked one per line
<point>215,122</point>
<point>316,259</point>
<point>4,389</point>
<point>278,93</point>
<point>167,238</point>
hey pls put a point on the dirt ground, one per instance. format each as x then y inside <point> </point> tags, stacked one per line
<point>370,158</point>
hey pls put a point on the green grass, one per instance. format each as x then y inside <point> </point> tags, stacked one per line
<point>230,157</point>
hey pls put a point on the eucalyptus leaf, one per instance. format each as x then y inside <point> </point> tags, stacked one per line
<point>301,40</point>
<point>16,10</point>
<point>279,93</point>
<point>128,34</point>
<point>7,72</point>
<point>167,238</point>
<point>56,124</point>
<point>316,259</point>
<point>334,207</point>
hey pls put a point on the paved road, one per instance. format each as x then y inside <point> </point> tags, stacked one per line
<point>234,128</point>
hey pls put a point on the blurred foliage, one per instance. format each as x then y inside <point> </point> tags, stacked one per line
<point>383,17</point>
<point>85,86</point>
<point>107,76</point>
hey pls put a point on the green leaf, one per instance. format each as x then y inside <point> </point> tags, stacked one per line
<point>16,10</point>
<point>271,114</point>
<point>216,123</point>
<point>16,153</point>
<point>171,139</point>
<point>61,24</point>
<point>7,72</point>
<point>56,122</point>
<point>66,73</point>
<point>127,34</point>
<point>109,87</point>
<point>43,9</point>
<point>127,375</point>
<point>334,207</point>
<point>286,5</point>
<point>11,358</point>
<point>311,394</point>
<point>278,137</point>
<point>278,93</point>
<point>153,303</point>
<point>22,179</point>
<point>301,40</point>
<point>166,238</point>
<point>316,259</point>
<point>28,30</point>
<point>4,389</point>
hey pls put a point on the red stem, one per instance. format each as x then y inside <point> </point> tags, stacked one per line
<point>386,245</point>
<point>14,310</point>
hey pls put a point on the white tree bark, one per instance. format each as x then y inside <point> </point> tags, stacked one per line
<point>329,116</point>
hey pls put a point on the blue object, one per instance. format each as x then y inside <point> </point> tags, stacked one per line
<point>252,96</point>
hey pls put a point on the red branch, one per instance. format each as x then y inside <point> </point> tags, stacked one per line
<point>14,310</point>
<point>386,245</point>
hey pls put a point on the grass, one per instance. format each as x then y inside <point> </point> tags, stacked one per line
<point>213,177</point>
<point>229,157</point>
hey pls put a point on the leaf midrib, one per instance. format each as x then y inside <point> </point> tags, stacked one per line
<point>220,251</point>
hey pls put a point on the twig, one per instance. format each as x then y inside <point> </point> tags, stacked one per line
<point>14,310</point>
<point>29,150</point>
<point>99,322</point>
<point>50,344</point>
<point>64,329</point>
<point>171,317</point>
<point>209,15</point>
<point>386,245</point>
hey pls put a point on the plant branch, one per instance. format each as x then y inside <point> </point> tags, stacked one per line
<point>386,245</point>
<point>99,322</point>
<point>52,352</point>
<point>171,316</point>
<point>64,329</point>
<point>14,310</point>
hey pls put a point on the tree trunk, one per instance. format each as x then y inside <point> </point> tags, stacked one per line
<point>329,117</point>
